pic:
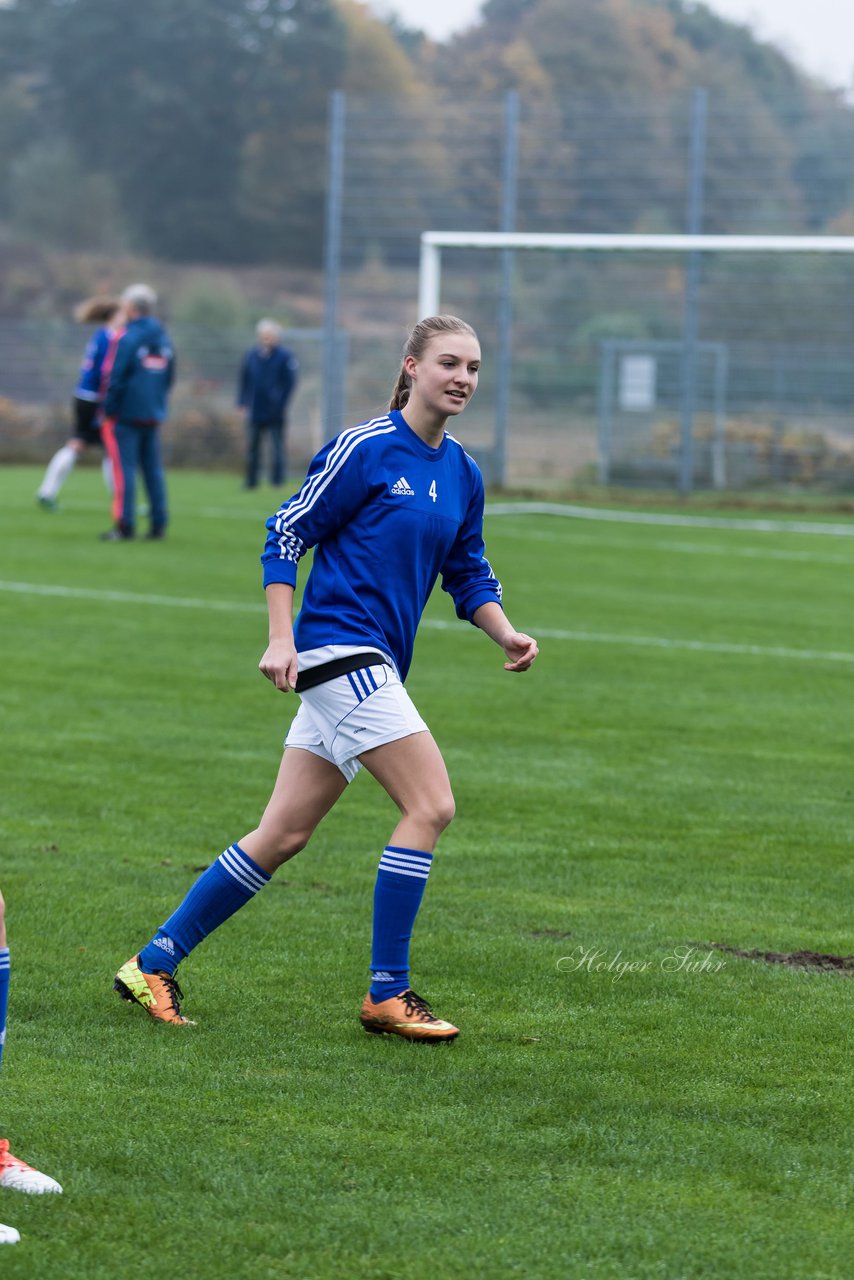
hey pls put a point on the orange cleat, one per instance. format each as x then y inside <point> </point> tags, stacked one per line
<point>158,993</point>
<point>406,1015</point>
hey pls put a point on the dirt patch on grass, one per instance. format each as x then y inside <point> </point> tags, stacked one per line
<point>811,960</point>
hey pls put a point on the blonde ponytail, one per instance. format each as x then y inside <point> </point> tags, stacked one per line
<point>400,394</point>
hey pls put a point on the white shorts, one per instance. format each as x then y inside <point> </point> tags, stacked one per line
<point>342,718</point>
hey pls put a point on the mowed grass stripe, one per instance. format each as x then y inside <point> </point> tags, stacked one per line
<point>436,624</point>
<point>532,530</point>
<point>569,511</point>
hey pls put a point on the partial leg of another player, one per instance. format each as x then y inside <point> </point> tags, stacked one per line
<point>14,1173</point>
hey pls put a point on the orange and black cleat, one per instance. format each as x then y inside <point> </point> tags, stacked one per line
<point>158,993</point>
<point>406,1015</point>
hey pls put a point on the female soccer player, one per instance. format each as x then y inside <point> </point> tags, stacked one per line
<point>88,399</point>
<point>388,505</point>
<point>14,1173</point>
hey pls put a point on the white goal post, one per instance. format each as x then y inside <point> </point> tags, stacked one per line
<point>506,242</point>
<point>433,242</point>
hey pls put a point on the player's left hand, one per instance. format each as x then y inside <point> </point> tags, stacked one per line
<point>520,650</point>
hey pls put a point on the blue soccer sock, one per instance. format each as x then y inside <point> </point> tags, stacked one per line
<point>4,994</point>
<point>401,880</point>
<point>226,886</point>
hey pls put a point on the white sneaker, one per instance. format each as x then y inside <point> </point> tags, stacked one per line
<point>8,1235</point>
<point>18,1176</point>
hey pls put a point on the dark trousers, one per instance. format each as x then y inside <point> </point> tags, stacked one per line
<point>255,433</point>
<point>139,447</point>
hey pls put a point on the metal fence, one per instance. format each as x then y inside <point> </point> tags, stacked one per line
<point>38,370</point>
<point>776,402</point>
<point>700,163</point>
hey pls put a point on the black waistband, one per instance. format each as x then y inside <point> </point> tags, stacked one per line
<point>338,667</point>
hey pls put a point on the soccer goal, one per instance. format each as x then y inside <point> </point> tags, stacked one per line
<point>686,350</point>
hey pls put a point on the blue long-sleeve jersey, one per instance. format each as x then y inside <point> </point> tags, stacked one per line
<point>387,515</point>
<point>89,378</point>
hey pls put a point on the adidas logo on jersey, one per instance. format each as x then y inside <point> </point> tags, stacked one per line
<point>401,488</point>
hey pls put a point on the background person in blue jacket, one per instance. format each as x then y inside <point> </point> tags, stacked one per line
<point>389,506</point>
<point>268,376</point>
<point>136,401</point>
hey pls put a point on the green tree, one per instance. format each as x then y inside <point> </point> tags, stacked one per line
<point>54,201</point>
<point>284,169</point>
<point>164,98</point>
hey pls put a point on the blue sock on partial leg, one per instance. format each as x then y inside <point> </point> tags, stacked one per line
<point>4,994</point>
<point>401,881</point>
<point>226,886</point>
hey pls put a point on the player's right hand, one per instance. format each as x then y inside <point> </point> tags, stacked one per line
<point>279,665</point>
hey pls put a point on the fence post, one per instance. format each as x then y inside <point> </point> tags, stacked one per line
<point>699,111</point>
<point>779,397</point>
<point>607,363</point>
<point>333,371</point>
<point>505,296</point>
<point>721,360</point>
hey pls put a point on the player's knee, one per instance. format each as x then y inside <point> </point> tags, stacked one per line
<point>2,911</point>
<point>446,812</point>
<point>443,810</point>
<point>286,844</point>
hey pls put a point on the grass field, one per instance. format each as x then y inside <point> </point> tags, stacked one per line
<point>624,1102</point>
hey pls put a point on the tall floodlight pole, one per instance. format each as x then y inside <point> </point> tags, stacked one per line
<point>333,372</point>
<point>690,321</point>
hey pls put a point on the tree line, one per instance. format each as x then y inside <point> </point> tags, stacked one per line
<point>197,131</point>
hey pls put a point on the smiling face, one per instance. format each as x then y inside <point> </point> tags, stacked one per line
<point>444,378</point>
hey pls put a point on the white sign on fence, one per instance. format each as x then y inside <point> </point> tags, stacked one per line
<point>637,383</point>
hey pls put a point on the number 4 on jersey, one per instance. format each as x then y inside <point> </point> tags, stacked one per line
<point>432,490</point>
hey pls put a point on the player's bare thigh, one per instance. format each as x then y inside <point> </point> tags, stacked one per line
<point>413,773</point>
<point>306,788</point>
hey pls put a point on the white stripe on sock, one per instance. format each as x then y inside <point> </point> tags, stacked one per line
<point>399,867</point>
<point>404,863</point>
<point>241,872</point>
<point>243,864</point>
<point>408,859</point>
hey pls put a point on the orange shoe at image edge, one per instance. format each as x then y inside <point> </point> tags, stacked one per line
<point>18,1176</point>
<point>406,1015</point>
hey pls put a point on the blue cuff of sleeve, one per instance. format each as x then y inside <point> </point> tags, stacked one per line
<point>472,605</point>
<point>280,571</point>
